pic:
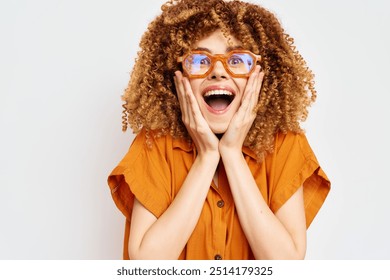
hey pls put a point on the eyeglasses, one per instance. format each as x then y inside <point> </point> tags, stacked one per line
<point>238,63</point>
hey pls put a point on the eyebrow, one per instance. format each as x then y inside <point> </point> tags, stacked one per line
<point>228,49</point>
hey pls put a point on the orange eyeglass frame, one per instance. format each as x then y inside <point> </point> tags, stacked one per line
<point>219,57</point>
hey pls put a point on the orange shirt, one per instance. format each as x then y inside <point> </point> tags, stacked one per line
<point>154,176</point>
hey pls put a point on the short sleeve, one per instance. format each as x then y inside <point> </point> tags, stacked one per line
<point>295,165</point>
<point>143,173</point>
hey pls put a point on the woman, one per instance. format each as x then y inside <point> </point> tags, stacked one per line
<point>220,168</point>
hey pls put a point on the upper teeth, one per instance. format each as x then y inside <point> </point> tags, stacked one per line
<point>218,92</point>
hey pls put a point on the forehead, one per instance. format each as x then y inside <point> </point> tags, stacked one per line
<point>217,42</point>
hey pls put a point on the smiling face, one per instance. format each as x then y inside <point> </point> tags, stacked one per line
<point>218,94</point>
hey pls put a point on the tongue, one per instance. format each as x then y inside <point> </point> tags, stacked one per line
<point>218,104</point>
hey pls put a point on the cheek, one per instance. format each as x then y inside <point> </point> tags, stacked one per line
<point>195,86</point>
<point>241,84</point>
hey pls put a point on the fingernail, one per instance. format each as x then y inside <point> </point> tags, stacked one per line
<point>178,74</point>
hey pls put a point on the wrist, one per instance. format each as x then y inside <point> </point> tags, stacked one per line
<point>230,153</point>
<point>209,157</point>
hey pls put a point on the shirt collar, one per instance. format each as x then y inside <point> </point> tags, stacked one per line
<point>182,144</point>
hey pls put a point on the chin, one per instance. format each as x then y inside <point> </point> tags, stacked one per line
<point>218,128</point>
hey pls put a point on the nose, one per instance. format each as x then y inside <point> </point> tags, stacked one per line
<point>218,71</point>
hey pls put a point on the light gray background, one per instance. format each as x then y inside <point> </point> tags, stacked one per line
<point>64,65</point>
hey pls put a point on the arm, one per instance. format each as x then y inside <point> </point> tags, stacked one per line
<point>165,237</point>
<point>175,226</point>
<point>271,236</point>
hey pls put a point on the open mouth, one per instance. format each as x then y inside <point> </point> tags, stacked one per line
<point>218,100</point>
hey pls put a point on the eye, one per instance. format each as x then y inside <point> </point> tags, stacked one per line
<point>205,61</point>
<point>235,60</point>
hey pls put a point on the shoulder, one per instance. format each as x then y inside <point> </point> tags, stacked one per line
<point>283,144</point>
<point>144,173</point>
<point>290,142</point>
<point>153,145</point>
<point>294,164</point>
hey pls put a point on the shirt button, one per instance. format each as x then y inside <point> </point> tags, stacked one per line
<point>218,257</point>
<point>220,203</point>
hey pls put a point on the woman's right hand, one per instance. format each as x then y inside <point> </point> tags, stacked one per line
<point>198,128</point>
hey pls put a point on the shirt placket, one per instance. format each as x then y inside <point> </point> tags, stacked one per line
<point>222,200</point>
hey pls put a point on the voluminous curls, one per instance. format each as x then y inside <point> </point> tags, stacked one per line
<point>150,100</point>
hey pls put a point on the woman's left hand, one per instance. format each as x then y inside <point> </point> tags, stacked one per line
<point>233,138</point>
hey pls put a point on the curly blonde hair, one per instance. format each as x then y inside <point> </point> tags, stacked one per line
<point>150,100</point>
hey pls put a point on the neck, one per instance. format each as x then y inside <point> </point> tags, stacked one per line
<point>219,135</point>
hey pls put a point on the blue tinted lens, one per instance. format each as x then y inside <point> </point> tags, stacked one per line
<point>197,63</point>
<point>240,63</point>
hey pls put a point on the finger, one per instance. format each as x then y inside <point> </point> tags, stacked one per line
<point>249,97</point>
<point>256,93</point>
<point>178,86</point>
<point>193,114</point>
<point>178,78</point>
<point>250,88</point>
<point>259,83</point>
<point>246,113</point>
<point>260,79</point>
<point>192,103</point>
